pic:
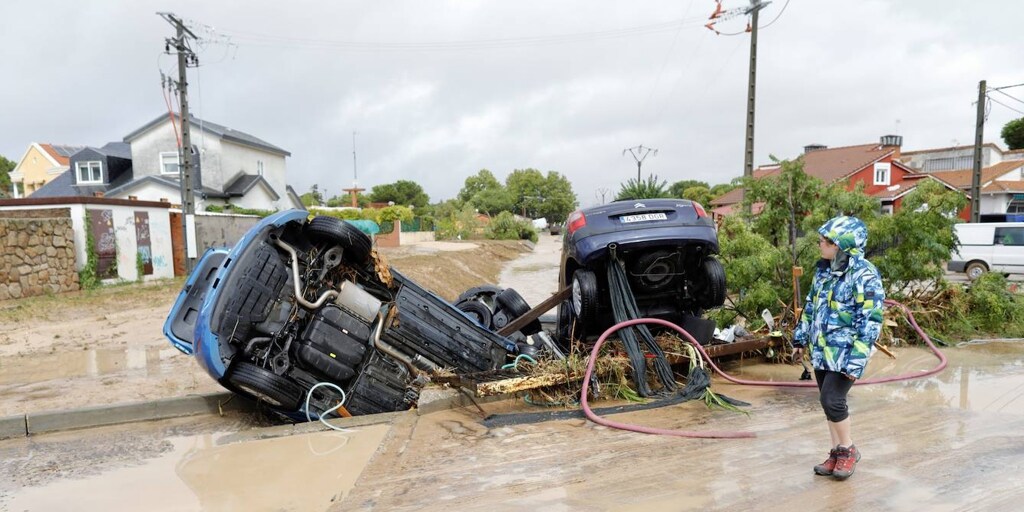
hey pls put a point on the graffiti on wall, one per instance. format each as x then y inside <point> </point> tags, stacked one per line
<point>101,226</point>
<point>142,241</point>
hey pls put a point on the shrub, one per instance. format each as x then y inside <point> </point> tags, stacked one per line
<point>506,227</point>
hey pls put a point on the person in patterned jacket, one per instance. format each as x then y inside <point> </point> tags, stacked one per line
<point>840,322</point>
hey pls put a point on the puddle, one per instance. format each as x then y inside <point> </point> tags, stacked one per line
<point>307,472</point>
<point>146,361</point>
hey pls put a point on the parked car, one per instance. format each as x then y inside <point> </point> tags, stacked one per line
<point>985,247</point>
<point>667,248</point>
<point>298,302</point>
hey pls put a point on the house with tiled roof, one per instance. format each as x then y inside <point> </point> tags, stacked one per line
<point>876,166</point>
<point>41,164</point>
<point>232,167</point>
<point>1002,186</point>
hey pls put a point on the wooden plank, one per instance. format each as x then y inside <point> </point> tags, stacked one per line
<point>535,313</point>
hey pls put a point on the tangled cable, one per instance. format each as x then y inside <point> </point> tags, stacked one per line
<point>730,434</point>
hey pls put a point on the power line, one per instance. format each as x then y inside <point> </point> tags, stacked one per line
<point>513,42</point>
<point>777,16</point>
<point>639,154</point>
<point>1014,98</point>
<point>1007,87</point>
<point>1005,105</point>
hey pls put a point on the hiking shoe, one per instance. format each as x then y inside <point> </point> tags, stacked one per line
<point>826,468</point>
<point>846,461</point>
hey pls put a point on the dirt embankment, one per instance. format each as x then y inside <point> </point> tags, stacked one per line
<point>106,346</point>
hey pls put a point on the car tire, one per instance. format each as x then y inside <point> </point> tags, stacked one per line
<point>485,294</point>
<point>564,327</point>
<point>584,295</point>
<point>355,243</point>
<point>711,292</point>
<point>975,270</point>
<point>266,386</point>
<point>478,311</point>
<point>516,306</point>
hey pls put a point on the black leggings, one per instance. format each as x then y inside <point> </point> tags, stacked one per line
<point>833,387</point>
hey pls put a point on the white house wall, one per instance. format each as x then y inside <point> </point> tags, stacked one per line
<point>258,198</point>
<point>237,159</point>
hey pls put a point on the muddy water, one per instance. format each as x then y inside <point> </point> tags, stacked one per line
<point>151,361</point>
<point>954,441</point>
<point>535,275</point>
<point>214,471</point>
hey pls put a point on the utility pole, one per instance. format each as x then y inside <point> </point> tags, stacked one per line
<point>639,154</point>
<point>186,58</point>
<point>748,152</point>
<point>355,190</point>
<point>979,131</point>
<point>603,191</point>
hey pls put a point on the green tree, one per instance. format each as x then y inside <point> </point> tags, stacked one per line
<point>648,189</point>
<point>1013,134</point>
<point>482,180</point>
<point>913,244</point>
<point>537,195</point>
<point>493,200</point>
<point>401,192</point>
<point>700,194</point>
<point>677,188</point>
<point>527,188</point>
<point>313,197</point>
<point>559,199</point>
<point>6,166</point>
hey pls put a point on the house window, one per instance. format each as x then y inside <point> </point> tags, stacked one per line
<point>882,173</point>
<point>170,163</point>
<point>89,172</point>
<point>259,167</point>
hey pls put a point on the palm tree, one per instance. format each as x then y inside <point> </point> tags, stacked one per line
<point>647,189</point>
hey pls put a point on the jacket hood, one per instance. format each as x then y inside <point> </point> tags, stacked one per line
<point>849,233</point>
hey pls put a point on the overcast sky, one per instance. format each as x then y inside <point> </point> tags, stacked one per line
<point>437,90</point>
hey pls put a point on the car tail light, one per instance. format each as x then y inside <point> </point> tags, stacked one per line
<point>700,209</point>
<point>576,221</point>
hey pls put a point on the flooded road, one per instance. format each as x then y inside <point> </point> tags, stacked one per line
<point>953,441</point>
<point>184,465</point>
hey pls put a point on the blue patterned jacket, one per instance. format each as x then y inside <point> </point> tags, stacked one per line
<point>842,317</point>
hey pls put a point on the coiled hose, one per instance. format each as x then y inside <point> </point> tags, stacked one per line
<point>730,434</point>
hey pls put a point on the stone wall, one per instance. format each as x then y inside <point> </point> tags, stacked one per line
<point>37,255</point>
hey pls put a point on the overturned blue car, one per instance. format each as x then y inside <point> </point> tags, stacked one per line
<point>302,315</point>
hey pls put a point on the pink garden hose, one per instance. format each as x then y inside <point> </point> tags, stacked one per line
<point>730,434</point>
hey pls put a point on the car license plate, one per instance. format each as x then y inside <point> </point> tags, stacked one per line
<point>626,219</point>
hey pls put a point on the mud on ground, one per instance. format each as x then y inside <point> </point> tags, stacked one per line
<point>107,346</point>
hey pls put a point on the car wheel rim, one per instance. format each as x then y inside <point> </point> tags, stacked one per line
<point>577,296</point>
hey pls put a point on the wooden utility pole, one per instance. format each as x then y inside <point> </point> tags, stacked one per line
<point>979,133</point>
<point>748,152</point>
<point>186,58</point>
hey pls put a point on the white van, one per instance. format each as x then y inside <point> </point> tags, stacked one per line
<point>992,246</point>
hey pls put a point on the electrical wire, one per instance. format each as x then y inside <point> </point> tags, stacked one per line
<point>1005,105</point>
<point>1014,98</point>
<point>1006,87</point>
<point>777,16</point>
<point>514,42</point>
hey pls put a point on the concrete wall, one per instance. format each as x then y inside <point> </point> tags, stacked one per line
<point>37,253</point>
<point>221,230</point>
<point>415,237</point>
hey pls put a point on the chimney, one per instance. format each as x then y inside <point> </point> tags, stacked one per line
<point>814,147</point>
<point>97,194</point>
<point>133,198</point>
<point>892,142</point>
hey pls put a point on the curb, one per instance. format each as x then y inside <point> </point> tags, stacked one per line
<point>98,416</point>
